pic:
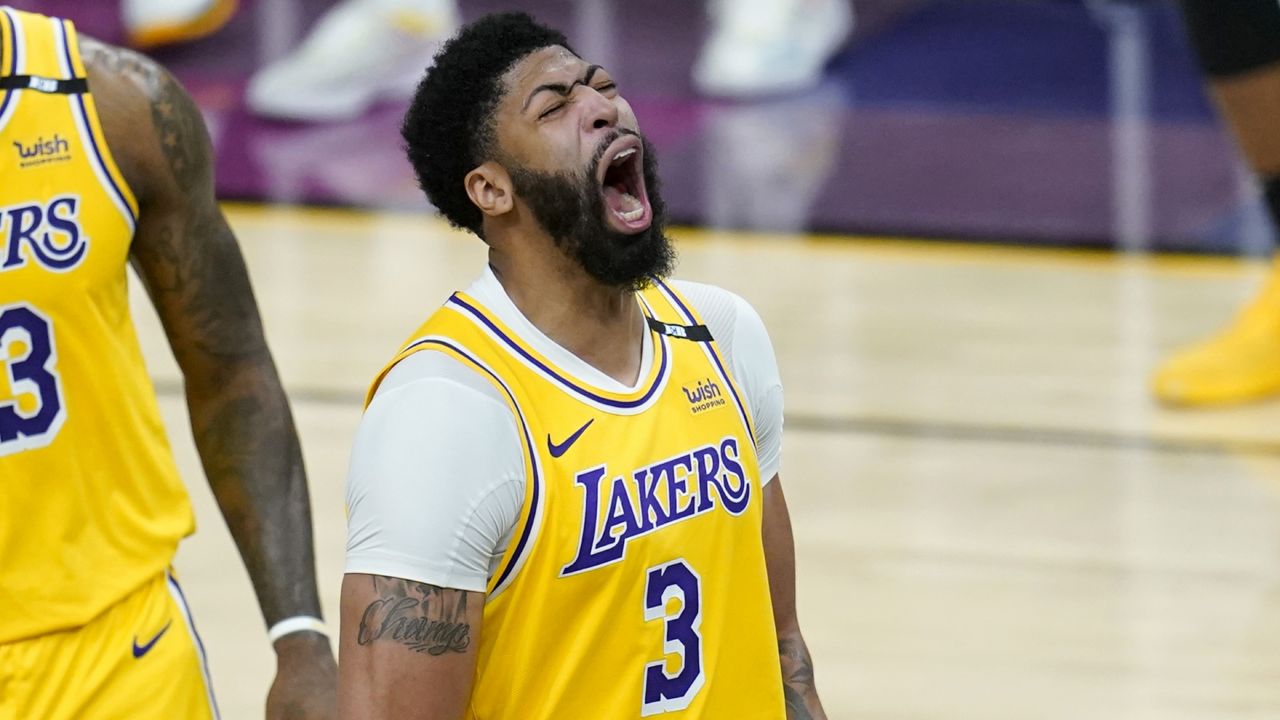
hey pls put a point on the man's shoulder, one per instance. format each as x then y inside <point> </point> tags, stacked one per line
<point>445,402</point>
<point>724,311</point>
<point>125,82</point>
<point>701,293</point>
<point>154,130</point>
<point>436,368</point>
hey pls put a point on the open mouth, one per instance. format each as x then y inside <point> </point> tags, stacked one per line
<point>622,183</point>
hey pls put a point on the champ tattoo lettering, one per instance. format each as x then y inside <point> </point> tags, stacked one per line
<point>423,618</point>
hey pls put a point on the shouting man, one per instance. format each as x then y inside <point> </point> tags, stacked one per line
<point>564,498</point>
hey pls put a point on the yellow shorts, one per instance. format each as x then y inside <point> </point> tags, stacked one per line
<point>141,659</point>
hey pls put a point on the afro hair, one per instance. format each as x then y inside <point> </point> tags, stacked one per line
<point>448,130</point>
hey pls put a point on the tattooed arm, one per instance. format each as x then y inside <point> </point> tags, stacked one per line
<point>408,649</point>
<point>780,556</point>
<point>190,263</point>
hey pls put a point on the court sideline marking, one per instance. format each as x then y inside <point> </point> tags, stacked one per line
<point>906,428</point>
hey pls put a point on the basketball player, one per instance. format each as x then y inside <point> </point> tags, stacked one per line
<point>104,160</point>
<point>1238,44</point>
<point>564,498</point>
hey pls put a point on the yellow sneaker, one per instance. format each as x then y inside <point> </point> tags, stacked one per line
<point>150,23</point>
<point>1240,364</point>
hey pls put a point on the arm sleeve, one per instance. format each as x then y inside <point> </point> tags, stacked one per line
<point>435,486</point>
<point>756,368</point>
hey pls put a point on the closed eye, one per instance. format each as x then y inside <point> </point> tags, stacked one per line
<point>551,111</point>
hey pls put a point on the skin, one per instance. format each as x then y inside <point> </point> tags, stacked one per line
<point>388,675</point>
<point>190,263</point>
<point>1250,103</point>
<point>780,558</point>
<point>385,676</point>
<point>602,325</point>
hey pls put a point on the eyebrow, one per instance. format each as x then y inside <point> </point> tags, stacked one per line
<point>561,88</point>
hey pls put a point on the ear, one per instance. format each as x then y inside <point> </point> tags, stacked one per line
<point>489,187</point>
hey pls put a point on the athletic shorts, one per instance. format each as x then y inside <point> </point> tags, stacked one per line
<point>140,659</point>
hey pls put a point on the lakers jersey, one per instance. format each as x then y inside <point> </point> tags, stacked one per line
<point>91,505</point>
<point>635,583</point>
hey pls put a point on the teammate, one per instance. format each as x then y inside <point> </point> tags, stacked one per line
<point>1238,44</point>
<point>564,498</point>
<point>105,161</point>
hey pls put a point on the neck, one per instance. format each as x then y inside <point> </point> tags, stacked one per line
<point>602,325</point>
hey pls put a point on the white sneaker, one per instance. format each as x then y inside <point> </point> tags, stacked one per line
<point>763,47</point>
<point>359,52</point>
<point>160,22</point>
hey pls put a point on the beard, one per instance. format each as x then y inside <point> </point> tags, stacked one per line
<point>570,207</point>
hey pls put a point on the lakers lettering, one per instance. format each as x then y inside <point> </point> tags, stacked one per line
<point>48,234</point>
<point>650,498</point>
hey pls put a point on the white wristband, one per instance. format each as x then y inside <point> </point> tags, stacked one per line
<point>296,624</point>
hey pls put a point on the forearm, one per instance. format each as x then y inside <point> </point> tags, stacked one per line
<point>249,448</point>
<point>408,649</point>
<point>797,678</point>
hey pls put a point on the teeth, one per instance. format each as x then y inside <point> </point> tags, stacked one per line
<point>632,208</point>
<point>622,156</point>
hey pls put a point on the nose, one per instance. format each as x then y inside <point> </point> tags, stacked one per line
<point>599,111</point>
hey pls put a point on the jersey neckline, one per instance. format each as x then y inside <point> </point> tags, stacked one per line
<point>487,304</point>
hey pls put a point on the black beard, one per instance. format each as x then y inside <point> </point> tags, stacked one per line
<point>571,209</point>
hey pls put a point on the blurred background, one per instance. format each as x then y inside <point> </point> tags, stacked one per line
<point>975,229</point>
<point>1039,122</point>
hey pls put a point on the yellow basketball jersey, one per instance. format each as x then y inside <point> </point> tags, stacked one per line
<point>635,583</point>
<point>91,505</point>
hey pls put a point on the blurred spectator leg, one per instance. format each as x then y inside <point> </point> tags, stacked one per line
<point>149,23</point>
<point>764,47</point>
<point>358,53</point>
<point>1238,43</point>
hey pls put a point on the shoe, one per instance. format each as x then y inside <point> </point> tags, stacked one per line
<point>150,23</point>
<point>767,47</point>
<point>360,52</point>
<point>1240,364</point>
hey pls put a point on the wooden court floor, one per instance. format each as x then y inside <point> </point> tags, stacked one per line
<point>992,519</point>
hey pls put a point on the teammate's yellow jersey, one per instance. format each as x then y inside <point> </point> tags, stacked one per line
<point>635,583</point>
<point>91,505</point>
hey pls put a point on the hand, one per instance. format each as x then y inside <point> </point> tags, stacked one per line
<point>306,684</point>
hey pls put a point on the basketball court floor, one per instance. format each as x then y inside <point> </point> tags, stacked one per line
<point>992,519</point>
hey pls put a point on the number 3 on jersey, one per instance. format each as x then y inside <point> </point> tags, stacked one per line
<point>665,692</point>
<point>31,409</point>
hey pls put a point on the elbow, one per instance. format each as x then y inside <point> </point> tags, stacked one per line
<point>212,382</point>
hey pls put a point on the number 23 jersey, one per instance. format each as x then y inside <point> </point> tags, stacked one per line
<point>91,505</point>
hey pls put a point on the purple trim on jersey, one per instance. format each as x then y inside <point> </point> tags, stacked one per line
<point>567,383</point>
<point>13,61</point>
<point>689,318</point>
<point>533,455</point>
<point>78,102</point>
<point>204,658</point>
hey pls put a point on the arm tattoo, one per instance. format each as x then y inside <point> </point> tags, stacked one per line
<point>424,618</point>
<point>797,677</point>
<point>184,252</point>
<point>181,133</point>
<point>197,266</point>
<point>190,263</point>
<point>177,121</point>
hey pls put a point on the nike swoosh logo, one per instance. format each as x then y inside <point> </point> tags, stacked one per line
<point>561,448</point>
<point>140,650</point>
